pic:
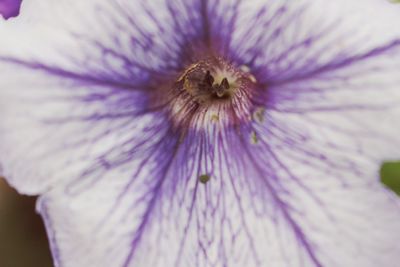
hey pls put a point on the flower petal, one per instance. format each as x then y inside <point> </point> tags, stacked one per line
<point>9,8</point>
<point>253,211</point>
<point>122,187</point>
<point>78,104</point>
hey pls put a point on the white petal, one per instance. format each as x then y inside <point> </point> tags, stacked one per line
<point>274,210</point>
<point>299,200</point>
<point>57,79</point>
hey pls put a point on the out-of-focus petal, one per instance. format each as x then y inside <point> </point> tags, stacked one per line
<point>9,8</point>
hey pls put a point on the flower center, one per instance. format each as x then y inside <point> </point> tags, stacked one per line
<point>209,81</point>
<point>213,91</point>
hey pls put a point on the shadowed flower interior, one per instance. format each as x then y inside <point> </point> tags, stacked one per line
<point>205,132</point>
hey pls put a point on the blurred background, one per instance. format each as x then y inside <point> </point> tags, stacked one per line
<point>23,241</point>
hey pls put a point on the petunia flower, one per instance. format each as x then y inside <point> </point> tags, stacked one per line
<point>9,8</point>
<point>205,132</point>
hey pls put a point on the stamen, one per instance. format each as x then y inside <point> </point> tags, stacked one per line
<point>200,82</point>
<point>222,88</point>
<point>225,84</point>
<point>213,90</point>
<point>208,79</point>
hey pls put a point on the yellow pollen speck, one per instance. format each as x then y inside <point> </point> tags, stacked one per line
<point>204,178</point>
<point>215,118</point>
<point>253,138</point>
<point>259,115</point>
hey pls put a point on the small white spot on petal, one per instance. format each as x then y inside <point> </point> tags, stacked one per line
<point>245,68</point>
<point>252,78</point>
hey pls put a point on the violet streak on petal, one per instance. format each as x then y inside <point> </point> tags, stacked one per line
<point>10,8</point>
<point>205,132</point>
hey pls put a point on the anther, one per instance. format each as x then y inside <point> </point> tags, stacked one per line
<point>208,79</point>
<point>225,84</point>
<point>221,89</point>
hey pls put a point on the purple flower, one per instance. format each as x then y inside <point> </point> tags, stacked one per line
<point>9,8</point>
<point>205,132</point>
